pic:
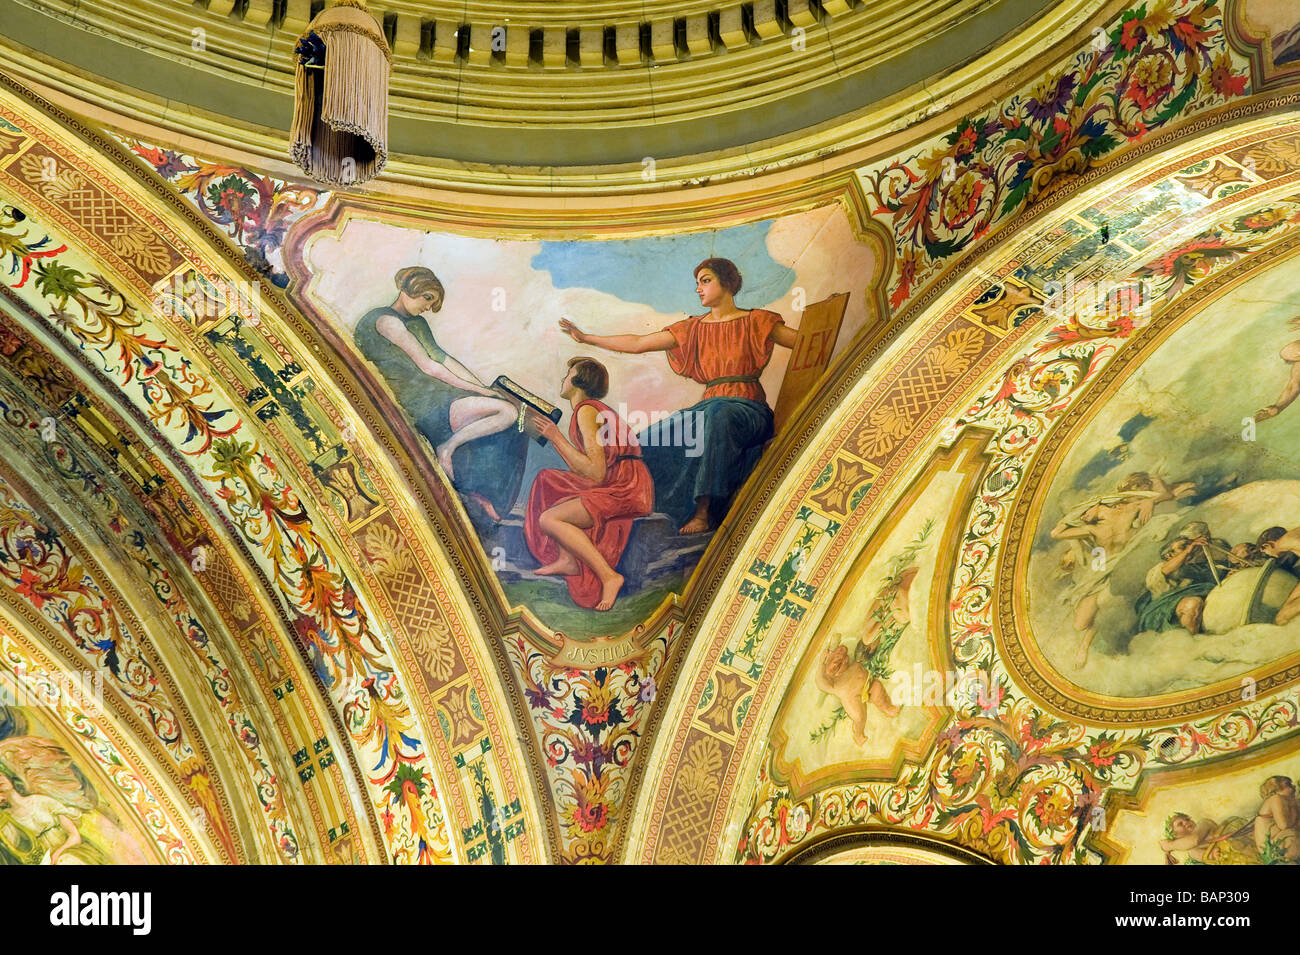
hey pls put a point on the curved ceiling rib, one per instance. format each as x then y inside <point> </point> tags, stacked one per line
<point>127,513</point>
<point>480,128</point>
<point>351,675</point>
<point>102,303</point>
<point>1162,239</point>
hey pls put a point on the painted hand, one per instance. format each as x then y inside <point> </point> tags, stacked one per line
<point>547,428</point>
<point>573,331</point>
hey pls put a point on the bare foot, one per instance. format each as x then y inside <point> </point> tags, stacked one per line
<point>484,503</point>
<point>696,525</point>
<point>566,566</point>
<point>444,461</point>
<point>1263,414</point>
<point>609,592</point>
<point>1081,658</point>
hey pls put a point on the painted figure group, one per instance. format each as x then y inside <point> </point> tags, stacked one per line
<point>579,518</point>
<point>1271,837</point>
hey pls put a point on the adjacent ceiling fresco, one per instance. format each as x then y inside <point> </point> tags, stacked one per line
<point>951,517</point>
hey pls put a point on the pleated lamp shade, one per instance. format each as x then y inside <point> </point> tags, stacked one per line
<point>340,107</point>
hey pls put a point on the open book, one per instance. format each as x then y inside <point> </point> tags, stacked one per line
<point>528,405</point>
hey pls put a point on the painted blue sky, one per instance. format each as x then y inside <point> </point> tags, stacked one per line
<point>656,270</point>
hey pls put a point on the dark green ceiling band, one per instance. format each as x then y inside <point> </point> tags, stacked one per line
<point>129,66</point>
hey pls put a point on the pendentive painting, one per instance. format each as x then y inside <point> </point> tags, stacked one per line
<point>54,809</point>
<point>595,404</point>
<point>1167,552</point>
<point>1249,815</point>
<point>1276,23</point>
<point>876,684</point>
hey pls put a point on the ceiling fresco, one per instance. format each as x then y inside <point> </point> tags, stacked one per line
<point>101,803</point>
<point>1042,733</point>
<point>957,524</point>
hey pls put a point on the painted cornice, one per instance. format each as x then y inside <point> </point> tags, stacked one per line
<point>775,141</point>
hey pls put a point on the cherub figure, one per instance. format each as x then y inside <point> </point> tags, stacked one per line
<point>853,685</point>
<point>857,678</point>
<point>1206,842</point>
<point>1277,824</point>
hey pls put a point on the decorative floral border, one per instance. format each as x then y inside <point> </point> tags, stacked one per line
<point>1012,781</point>
<point>329,617</point>
<point>589,723</point>
<point>37,568</point>
<point>1157,64</point>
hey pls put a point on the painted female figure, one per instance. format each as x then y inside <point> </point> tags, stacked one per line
<point>726,350</point>
<point>43,796</point>
<point>579,520</point>
<point>449,405</point>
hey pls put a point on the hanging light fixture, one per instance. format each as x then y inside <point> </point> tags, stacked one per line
<point>340,106</point>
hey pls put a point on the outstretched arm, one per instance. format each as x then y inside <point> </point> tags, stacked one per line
<point>393,329</point>
<point>628,344</point>
<point>1290,390</point>
<point>461,371</point>
<point>1064,531</point>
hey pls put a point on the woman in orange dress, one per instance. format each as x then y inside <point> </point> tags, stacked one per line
<point>578,521</point>
<point>726,350</point>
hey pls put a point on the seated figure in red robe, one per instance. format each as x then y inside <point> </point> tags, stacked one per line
<point>579,520</point>
<point>725,350</point>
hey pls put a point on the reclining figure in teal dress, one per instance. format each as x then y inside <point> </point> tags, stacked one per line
<point>448,403</point>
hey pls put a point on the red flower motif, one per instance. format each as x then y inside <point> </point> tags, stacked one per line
<point>1191,34</point>
<point>1151,80</point>
<point>1095,757</point>
<point>1222,80</point>
<point>1132,34</point>
<point>592,817</point>
<point>27,587</point>
<point>1166,264</point>
<point>966,142</point>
